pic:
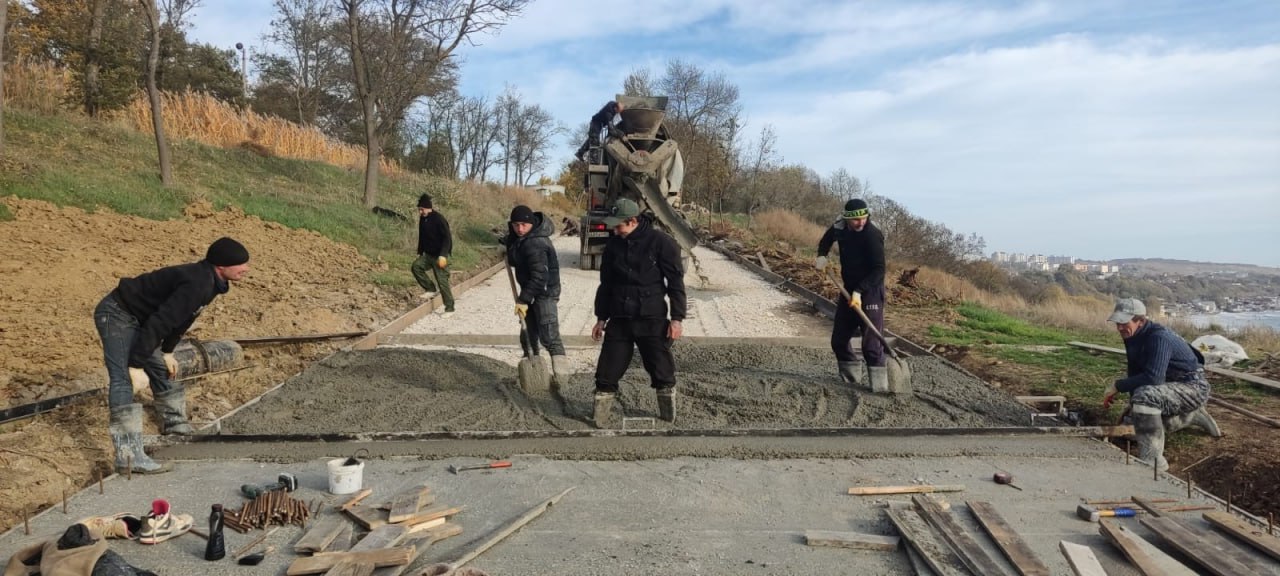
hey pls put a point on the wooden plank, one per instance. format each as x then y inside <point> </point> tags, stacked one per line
<point>437,511</point>
<point>854,540</point>
<point>477,548</point>
<point>343,542</point>
<point>383,537</point>
<point>408,503</point>
<point>1259,380</point>
<point>350,568</point>
<point>973,556</point>
<point>1250,414</point>
<point>423,526</point>
<point>879,490</point>
<point>936,554</point>
<point>1081,559</point>
<point>398,556</point>
<point>918,565</point>
<point>1204,554</point>
<point>369,518</point>
<point>320,535</point>
<point>1248,533</point>
<point>1213,540</point>
<point>361,495</point>
<point>1149,560</point>
<point>1014,547</point>
<point>408,318</point>
<point>420,543</point>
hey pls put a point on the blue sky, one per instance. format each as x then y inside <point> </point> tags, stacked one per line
<point>1093,128</point>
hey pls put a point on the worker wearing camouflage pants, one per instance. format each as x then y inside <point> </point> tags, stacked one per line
<point>140,323</point>
<point>1166,381</point>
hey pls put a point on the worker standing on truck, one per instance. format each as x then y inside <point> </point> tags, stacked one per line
<point>862,268</point>
<point>599,121</point>
<point>140,323</point>
<point>537,270</point>
<point>1166,381</point>
<point>641,271</point>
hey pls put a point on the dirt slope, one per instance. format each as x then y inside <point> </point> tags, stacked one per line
<point>57,263</point>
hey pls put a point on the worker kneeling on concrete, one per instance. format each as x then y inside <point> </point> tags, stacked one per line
<point>640,271</point>
<point>140,323</point>
<point>1166,381</point>
<point>862,266</point>
<point>537,270</point>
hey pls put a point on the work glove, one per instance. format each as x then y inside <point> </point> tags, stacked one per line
<point>172,364</point>
<point>441,262</point>
<point>820,263</point>
<point>1109,396</point>
<point>522,310</point>
<point>138,377</point>
<point>855,300</point>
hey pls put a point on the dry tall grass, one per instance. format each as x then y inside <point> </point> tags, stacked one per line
<point>37,87</point>
<point>203,118</point>
<point>788,226</point>
<point>1071,312</point>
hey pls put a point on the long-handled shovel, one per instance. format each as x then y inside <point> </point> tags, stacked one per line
<point>531,373</point>
<point>899,371</point>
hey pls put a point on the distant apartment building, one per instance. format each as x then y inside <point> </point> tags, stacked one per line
<point>1000,257</point>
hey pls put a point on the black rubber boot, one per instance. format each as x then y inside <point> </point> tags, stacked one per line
<point>126,436</point>
<point>667,404</point>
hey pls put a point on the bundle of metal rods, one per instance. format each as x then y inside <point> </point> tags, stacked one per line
<point>275,507</point>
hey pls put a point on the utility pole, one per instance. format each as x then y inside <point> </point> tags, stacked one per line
<point>244,74</point>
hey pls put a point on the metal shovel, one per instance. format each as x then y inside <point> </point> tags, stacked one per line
<point>899,371</point>
<point>531,373</point>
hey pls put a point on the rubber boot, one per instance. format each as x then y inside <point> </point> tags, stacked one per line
<point>559,371</point>
<point>850,372</point>
<point>1149,428</point>
<point>603,404</point>
<point>126,437</point>
<point>1201,418</point>
<point>667,404</point>
<point>171,406</point>
<point>879,376</point>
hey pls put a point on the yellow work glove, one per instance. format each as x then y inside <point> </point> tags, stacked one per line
<point>522,310</point>
<point>441,262</point>
<point>855,300</point>
<point>172,364</point>
<point>138,377</point>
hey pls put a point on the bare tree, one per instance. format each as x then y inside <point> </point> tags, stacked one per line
<point>639,83</point>
<point>843,185</point>
<point>309,67</point>
<point>174,12</point>
<point>763,157</point>
<point>400,51</point>
<point>506,110</point>
<point>535,128</point>
<point>153,92</point>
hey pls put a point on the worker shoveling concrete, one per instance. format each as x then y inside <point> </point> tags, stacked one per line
<point>899,371</point>
<point>531,372</point>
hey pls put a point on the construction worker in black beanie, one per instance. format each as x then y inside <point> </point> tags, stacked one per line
<point>435,245</point>
<point>862,269</point>
<point>140,324</point>
<point>533,257</point>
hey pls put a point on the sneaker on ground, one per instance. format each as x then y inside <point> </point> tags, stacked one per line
<point>161,524</point>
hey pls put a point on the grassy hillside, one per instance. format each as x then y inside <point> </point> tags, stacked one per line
<point>93,165</point>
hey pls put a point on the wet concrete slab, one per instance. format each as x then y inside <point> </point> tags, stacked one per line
<point>677,515</point>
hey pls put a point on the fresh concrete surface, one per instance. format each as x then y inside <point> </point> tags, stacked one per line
<point>682,515</point>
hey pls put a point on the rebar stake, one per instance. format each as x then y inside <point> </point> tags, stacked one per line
<point>128,460</point>
<point>98,473</point>
<point>1127,456</point>
<point>26,520</point>
<point>64,500</point>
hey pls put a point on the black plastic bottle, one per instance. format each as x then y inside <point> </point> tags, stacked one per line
<point>216,549</point>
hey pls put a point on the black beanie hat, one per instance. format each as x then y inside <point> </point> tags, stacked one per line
<point>522,213</point>
<point>424,201</point>
<point>856,208</point>
<point>226,252</point>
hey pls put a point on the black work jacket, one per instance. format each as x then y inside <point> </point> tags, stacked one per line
<point>533,257</point>
<point>433,235</point>
<point>862,262</point>
<point>166,302</point>
<point>639,273</point>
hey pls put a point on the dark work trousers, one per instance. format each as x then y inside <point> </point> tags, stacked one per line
<point>621,337</point>
<point>848,325</point>
<point>543,325</point>
<point>118,329</point>
<point>424,268</point>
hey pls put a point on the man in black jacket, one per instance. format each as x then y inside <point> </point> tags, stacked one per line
<point>435,244</point>
<point>599,121</point>
<point>640,271</point>
<point>537,270</point>
<point>862,266</point>
<point>140,323</point>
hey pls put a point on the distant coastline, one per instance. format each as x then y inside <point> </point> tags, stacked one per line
<point>1237,320</point>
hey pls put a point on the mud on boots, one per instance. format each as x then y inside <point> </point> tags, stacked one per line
<point>850,372</point>
<point>603,405</point>
<point>171,406</point>
<point>126,437</point>
<point>1149,429</point>
<point>1199,418</point>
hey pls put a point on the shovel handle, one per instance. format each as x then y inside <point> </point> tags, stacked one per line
<point>515,297</point>
<point>863,315</point>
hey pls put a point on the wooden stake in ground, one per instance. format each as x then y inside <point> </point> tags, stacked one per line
<point>510,528</point>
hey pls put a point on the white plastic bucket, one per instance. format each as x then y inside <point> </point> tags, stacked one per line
<point>345,479</point>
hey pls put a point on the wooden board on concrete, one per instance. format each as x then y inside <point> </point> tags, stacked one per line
<point>405,504</point>
<point>1014,547</point>
<point>1148,559</point>
<point>320,535</point>
<point>1081,559</point>
<point>398,556</point>
<point>383,537</point>
<point>350,568</point>
<point>973,556</point>
<point>420,543</point>
<point>922,489</point>
<point>1246,532</point>
<point>369,518</point>
<point>1213,540</point>
<point>918,565</point>
<point>936,554</point>
<point>1196,548</point>
<point>855,540</point>
<point>427,514</point>
<point>343,542</point>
